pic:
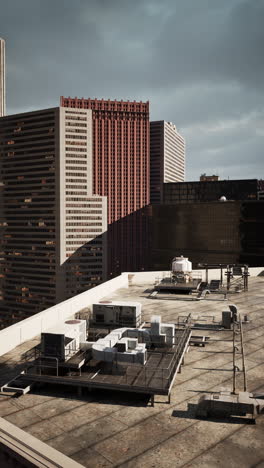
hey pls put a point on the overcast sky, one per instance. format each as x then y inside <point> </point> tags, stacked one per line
<point>200,63</point>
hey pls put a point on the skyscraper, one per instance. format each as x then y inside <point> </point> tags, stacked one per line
<point>52,229</point>
<point>2,77</point>
<point>167,157</point>
<point>120,172</point>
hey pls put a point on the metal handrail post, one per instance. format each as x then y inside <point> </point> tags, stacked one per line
<point>243,356</point>
<point>234,358</point>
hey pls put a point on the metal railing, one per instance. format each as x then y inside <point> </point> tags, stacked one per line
<point>238,348</point>
<point>41,365</point>
<point>38,365</point>
<point>143,375</point>
<point>169,278</point>
<point>31,354</point>
<point>36,361</point>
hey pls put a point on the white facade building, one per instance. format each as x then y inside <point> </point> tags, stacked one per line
<point>167,157</point>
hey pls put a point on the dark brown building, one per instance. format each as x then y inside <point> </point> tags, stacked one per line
<point>208,178</point>
<point>209,232</point>
<point>206,191</point>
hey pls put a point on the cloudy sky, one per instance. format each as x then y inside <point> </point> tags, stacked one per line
<point>200,63</point>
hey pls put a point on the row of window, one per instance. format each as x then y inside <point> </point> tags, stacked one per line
<point>85,224</point>
<point>77,137</point>
<point>89,199</point>
<point>83,205</point>
<point>84,230</point>
<point>76,187</point>
<point>81,218</point>
<point>81,150</point>
<point>74,155</point>
<point>73,192</point>
<point>71,117</point>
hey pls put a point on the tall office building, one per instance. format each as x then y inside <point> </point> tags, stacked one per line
<point>52,229</point>
<point>167,157</point>
<point>121,172</point>
<point>2,77</point>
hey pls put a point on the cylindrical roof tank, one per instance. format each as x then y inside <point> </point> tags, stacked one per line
<point>181,264</point>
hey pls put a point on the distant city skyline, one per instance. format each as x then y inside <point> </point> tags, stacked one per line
<point>199,64</point>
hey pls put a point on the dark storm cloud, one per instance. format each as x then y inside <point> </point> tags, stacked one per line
<point>199,62</point>
<point>223,41</point>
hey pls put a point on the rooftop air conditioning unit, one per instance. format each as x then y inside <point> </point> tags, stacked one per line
<point>63,341</point>
<point>123,314</point>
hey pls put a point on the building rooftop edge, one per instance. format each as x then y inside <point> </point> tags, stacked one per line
<point>211,181</point>
<point>29,328</point>
<point>46,109</point>
<point>17,443</point>
<point>104,100</point>
<point>35,111</point>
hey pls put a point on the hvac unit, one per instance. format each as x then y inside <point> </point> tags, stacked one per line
<point>63,341</point>
<point>123,314</point>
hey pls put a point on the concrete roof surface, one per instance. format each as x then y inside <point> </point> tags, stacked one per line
<point>110,429</point>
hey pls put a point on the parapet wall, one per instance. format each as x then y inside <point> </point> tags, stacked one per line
<point>149,277</point>
<point>27,329</point>
<point>21,450</point>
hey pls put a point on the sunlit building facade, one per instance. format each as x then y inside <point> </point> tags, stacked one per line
<point>167,157</point>
<point>52,229</point>
<point>121,173</point>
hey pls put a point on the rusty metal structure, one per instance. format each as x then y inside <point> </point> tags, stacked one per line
<point>228,403</point>
<point>236,277</point>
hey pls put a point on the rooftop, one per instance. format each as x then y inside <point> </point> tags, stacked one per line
<point>106,429</point>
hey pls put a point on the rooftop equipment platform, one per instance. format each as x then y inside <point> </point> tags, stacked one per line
<point>156,377</point>
<point>169,285</point>
<point>181,280</point>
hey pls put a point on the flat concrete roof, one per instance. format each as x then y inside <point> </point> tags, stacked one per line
<point>107,429</point>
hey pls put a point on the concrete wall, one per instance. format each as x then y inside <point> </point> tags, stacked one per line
<point>149,277</point>
<point>20,449</point>
<point>27,329</point>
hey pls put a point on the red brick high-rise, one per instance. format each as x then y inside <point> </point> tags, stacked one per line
<point>121,172</point>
